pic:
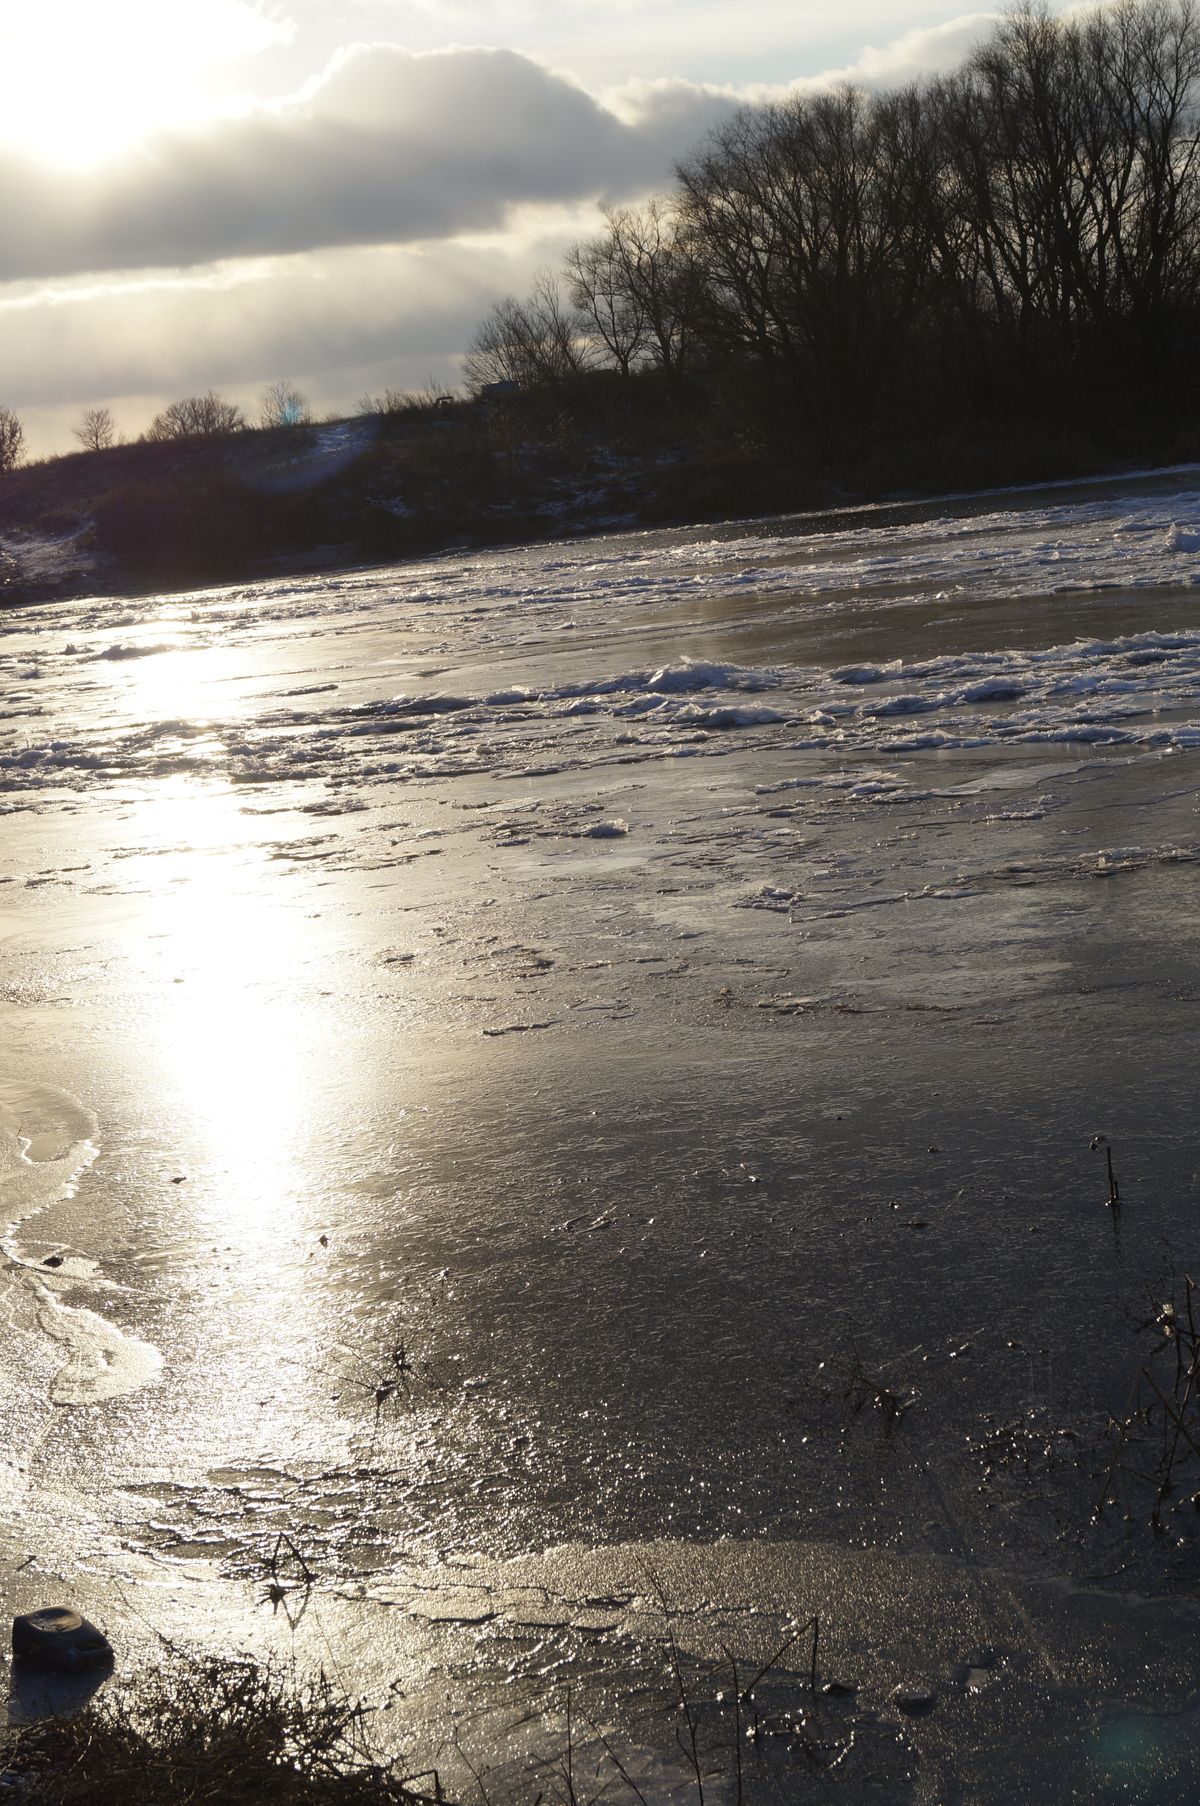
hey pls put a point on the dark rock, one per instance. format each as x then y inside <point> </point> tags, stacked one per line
<point>57,1637</point>
<point>915,1700</point>
<point>53,1260</point>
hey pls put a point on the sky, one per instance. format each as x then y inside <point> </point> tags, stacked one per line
<point>223,193</point>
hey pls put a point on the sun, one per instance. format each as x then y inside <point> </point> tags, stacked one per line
<point>85,81</point>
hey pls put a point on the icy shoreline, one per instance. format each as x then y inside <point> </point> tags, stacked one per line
<point>574,1033</point>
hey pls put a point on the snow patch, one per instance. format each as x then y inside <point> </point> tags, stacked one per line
<point>695,674</point>
<point>120,651</point>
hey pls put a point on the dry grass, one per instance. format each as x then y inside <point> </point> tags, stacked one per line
<point>215,1732</point>
<point>1156,1442</point>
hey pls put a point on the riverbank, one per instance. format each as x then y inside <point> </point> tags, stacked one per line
<point>464,475</point>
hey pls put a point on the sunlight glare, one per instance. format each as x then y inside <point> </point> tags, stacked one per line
<point>231,1043</point>
<point>86,81</point>
<point>183,682</point>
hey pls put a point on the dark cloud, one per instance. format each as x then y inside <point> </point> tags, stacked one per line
<point>321,312</point>
<point>340,322</point>
<point>388,148</point>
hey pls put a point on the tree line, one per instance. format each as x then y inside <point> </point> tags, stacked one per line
<point>1020,238</point>
<point>1016,243</point>
<point>207,416</point>
<point>213,416</point>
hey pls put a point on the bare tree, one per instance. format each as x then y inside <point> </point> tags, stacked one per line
<point>538,343</point>
<point>207,416</point>
<point>1020,209</point>
<point>809,258</point>
<point>1068,201</point>
<point>601,293</point>
<point>659,274</point>
<point>1140,72</point>
<point>282,404</point>
<point>12,440</point>
<point>498,351</point>
<point>96,430</point>
<point>1018,238</point>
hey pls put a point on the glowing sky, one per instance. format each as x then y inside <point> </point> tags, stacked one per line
<point>223,192</point>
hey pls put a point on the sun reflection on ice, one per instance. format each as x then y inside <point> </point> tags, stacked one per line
<point>160,675</point>
<point>234,1035</point>
<point>239,1059</point>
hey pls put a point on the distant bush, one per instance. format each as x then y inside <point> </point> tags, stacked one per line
<point>207,416</point>
<point>96,430</point>
<point>217,1729</point>
<point>12,440</point>
<point>390,402</point>
<point>282,404</point>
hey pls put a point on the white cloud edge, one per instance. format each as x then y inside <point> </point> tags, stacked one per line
<point>482,250</point>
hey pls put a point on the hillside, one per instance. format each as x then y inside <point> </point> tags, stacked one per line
<point>365,490</point>
<point>380,488</point>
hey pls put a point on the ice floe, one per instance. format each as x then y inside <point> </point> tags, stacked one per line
<point>104,706</point>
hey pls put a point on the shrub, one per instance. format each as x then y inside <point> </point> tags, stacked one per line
<point>282,404</point>
<point>220,1729</point>
<point>12,440</point>
<point>207,416</point>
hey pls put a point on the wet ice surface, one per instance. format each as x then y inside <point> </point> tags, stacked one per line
<point>564,1082</point>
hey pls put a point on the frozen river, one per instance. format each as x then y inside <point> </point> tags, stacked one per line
<point>564,1081</point>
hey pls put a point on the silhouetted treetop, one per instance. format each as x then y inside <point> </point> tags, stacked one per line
<point>207,416</point>
<point>12,440</point>
<point>1015,239</point>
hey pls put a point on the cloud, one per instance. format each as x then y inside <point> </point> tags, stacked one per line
<point>930,51</point>
<point>388,147</point>
<point>351,237</point>
<point>338,322</point>
<point>230,325</point>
